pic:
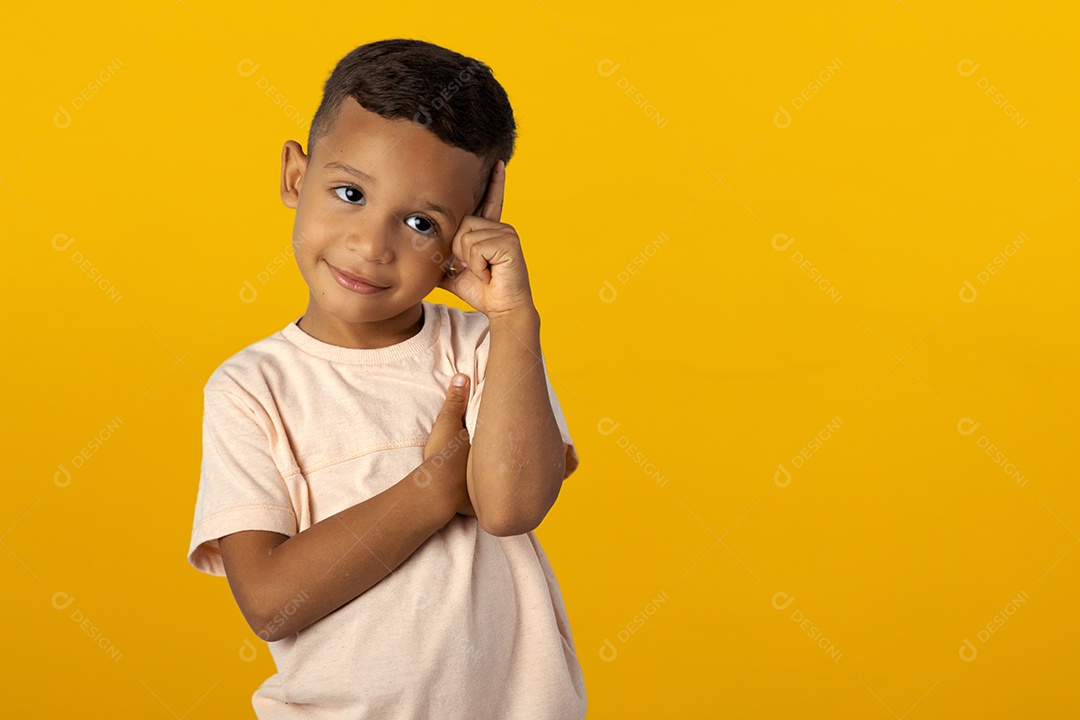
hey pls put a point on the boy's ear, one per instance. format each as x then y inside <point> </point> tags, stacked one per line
<point>293,167</point>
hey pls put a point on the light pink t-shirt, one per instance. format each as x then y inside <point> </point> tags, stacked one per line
<point>471,625</point>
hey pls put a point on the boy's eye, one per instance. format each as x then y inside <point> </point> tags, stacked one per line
<point>430,225</point>
<point>350,194</point>
<point>354,194</point>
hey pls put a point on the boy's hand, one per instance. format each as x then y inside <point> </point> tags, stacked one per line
<point>488,268</point>
<point>448,442</point>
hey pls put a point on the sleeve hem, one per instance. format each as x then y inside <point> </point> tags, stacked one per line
<point>204,553</point>
<point>571,459</point>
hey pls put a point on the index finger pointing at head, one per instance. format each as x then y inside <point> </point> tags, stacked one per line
<point>492,209</point>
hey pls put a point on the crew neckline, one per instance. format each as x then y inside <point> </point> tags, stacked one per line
<point>366,356</point>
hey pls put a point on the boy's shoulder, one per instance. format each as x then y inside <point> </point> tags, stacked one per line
<point>462,320</point>
<point>464,330</point>
<point>245,368</point>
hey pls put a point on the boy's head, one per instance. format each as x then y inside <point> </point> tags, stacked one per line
<point>423,126</point>
<point>455,97</point>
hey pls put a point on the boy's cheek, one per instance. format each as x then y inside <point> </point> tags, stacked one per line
<point>442,255</point>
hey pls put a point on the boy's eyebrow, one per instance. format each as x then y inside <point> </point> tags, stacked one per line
<point>361,175</point>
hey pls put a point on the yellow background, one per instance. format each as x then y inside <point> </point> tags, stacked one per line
<point>655,178</point>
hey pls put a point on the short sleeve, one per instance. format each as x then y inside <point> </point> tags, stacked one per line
<point>476,394</point>
<point>571,451</point>
<point>240,485</point>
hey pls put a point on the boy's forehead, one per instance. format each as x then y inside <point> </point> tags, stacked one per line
<point>400,157</point>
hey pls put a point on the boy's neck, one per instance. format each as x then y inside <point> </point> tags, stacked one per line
<point>363,336</point>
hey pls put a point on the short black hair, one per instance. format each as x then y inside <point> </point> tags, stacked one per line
<point>454,96</point>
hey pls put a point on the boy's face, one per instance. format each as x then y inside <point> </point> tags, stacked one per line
<point>382,227</point>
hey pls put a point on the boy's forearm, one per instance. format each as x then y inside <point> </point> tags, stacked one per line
<point>518,459</point>
<point>340,557</point>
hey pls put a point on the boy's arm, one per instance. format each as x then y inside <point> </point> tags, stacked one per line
<point>518,459</point>
<point>286,587</point>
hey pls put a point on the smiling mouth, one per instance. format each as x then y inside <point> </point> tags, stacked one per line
<point>350,282</point>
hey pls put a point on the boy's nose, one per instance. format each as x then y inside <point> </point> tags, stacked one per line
<point>374,239</point>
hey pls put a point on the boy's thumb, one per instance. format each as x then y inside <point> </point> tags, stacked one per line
<point>457,396</point>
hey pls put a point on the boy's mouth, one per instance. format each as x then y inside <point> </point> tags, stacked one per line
<point>355,282</point>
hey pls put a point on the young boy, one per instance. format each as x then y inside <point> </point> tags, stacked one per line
<point>375,521</point>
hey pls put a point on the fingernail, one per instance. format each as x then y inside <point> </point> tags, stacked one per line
<point>459,380</point>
